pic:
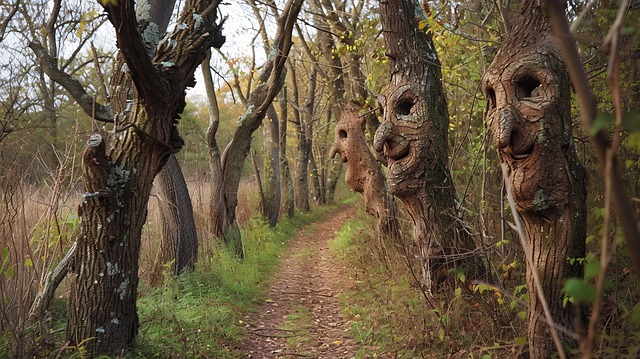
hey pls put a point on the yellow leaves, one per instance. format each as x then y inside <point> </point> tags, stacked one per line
<point>108,2</point>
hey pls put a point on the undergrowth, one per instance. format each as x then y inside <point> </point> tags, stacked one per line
<point>391,317</point>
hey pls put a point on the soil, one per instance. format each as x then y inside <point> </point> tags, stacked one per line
<point>302,315</point>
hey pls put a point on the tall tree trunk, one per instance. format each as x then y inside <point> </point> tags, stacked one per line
<point>304,144</point>
<point>216,204</point>
<point>234,155</point>
<point>529,114</point>
<point>413,139</point>
<point>179,237</point>
<point>273,171</point>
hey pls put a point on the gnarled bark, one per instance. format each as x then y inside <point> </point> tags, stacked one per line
<point>118,178</point>
<point>529,116</point>
<point>413,139</point>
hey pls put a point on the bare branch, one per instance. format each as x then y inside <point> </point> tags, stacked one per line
<point>73,86</point>
<point>6,20</point>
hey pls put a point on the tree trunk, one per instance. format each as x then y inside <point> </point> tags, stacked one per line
<point>234,155</point>
<point>179,237</point>
<point>318,188</point>
<point>413,139</point>
<point>529,114</point>
<point>287,182</point>
<point>102,303</point>
<point>216,204</point>
<point>304,143</point>
<point>273,171</point>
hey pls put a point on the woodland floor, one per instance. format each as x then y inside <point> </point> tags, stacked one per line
<point>302,315</point>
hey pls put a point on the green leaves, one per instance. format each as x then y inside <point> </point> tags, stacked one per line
<point>579,290</point>
<point>630,122</point>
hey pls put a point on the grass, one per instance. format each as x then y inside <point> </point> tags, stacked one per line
<point>390,316</point>
<point>199,314</point>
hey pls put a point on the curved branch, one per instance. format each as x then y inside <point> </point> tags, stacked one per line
<point>74,87</point>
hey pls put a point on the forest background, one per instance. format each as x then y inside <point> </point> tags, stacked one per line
<point>43,132</point>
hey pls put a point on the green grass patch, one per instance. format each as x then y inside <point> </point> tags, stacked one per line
<point>341,243</point>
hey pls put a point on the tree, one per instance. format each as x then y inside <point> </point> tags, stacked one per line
<point>258,103</point>
<point>413,139</point>
<point>147,94</point>
<point>529,114</point>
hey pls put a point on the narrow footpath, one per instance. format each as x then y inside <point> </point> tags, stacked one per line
<point>301,317</point>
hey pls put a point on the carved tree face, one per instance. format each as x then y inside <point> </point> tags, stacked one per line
<point>405,139</point>
<point>529,119</point>
<point>351,145</point>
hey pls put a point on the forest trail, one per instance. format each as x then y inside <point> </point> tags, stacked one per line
<point>301,317</point>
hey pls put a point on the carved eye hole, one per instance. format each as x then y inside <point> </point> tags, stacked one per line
<point>404,105</point>
<point>342,134</point>
<point>527,86</point>
<point>491,96</point>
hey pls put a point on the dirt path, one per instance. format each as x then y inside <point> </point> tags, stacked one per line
<point>302,315</point>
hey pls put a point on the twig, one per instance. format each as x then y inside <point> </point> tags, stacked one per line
<point>308,293</point>
<point>536,279</point>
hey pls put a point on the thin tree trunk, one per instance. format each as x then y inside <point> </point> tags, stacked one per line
<point>304,144</point>
<point>274,170</point>
<point>287,182</point>
<point>216,204</point>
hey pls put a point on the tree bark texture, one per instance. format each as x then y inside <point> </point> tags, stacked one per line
<point>118,179</point>
<point>413,139</point>
<point>529,116</point>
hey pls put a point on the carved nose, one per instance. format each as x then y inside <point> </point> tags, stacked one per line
<point>383,134</point>
<point>335,149</point>
<point>506,124</point>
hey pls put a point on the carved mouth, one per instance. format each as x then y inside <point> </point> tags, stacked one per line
<point>396,152</point>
